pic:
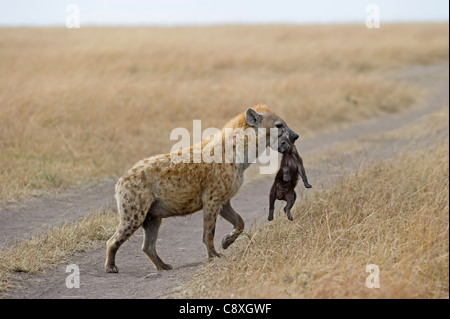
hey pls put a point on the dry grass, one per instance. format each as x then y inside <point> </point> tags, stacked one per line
<point>394,214</point>
<point>47,250</point>
<point>78,105</point>
<point>363,207</point>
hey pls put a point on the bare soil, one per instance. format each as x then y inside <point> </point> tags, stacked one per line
<point>180,239</point>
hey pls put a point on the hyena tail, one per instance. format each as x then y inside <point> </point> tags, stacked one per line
<point>132,215</point>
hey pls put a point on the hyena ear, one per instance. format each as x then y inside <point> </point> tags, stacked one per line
<point>253,118</point>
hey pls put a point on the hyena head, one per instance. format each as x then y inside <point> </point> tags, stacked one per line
<point>262,117</point>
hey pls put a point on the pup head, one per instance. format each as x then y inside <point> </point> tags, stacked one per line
<point>284,145</point>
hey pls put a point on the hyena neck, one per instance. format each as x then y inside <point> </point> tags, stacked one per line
<point>240,146</point>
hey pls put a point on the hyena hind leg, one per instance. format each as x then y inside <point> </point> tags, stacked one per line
<point>151,227</point>
<point>123,232</point>
<point>130,221</point>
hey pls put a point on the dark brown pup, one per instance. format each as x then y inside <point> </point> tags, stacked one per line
<point>283,187</point>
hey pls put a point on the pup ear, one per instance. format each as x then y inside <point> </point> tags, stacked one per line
<point>253,118</point>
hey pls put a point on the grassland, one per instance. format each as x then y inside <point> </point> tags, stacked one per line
<point>394,214</point>
<point>79,105</point>
<point>44,251</point>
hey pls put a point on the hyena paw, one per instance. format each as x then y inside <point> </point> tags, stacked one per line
<point>226,241</point>
<point>213,253</point>
<point>164,267</point>
<point>112,269</point>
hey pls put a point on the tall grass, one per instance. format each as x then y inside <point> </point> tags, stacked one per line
<point>394,214</point>
<point>78,105</point>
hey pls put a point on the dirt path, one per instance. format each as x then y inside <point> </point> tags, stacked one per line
<point>22,220</point>
<point>185,250</point>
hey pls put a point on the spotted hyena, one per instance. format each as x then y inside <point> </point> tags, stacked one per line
<point>159,187</point>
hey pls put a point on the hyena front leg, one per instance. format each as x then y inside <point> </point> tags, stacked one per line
<point>210,212</point>
<point>230,215</point>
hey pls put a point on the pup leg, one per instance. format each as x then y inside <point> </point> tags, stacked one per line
<point>301,171</point>
<point>272,198</point>
<point>290,199</point>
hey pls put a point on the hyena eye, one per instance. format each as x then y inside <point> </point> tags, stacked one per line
<point>279,125</point>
